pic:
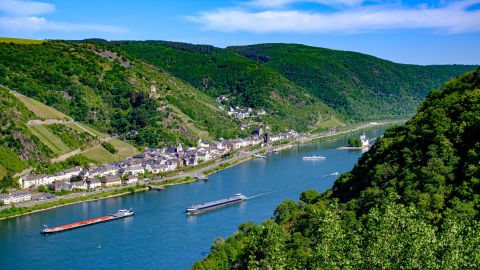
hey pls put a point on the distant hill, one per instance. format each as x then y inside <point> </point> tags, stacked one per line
<point>411,202</point>
<point>219,72</point>
<point>357,86</point>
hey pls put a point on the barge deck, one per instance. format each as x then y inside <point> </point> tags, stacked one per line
<point>120,214</point>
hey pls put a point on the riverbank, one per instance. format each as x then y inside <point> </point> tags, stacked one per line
<point>190,175</point>
<point>329,136</point>
<point>20,211</point>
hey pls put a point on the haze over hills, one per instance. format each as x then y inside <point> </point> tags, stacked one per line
<point>411,202</point>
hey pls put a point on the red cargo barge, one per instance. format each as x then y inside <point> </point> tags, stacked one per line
<point>120,214</point>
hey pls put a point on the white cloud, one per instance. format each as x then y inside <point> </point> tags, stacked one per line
<point>452,18</point>
<point>21,17</point>
<point>25,8</point>
<point>34,24</point>
<point>283,3</point>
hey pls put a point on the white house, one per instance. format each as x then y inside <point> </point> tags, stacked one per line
<point>35,180</point>
<point>131,180</point>
<point>111,180</point>
<point>59,185</point>
<point>203,155</point>
<point>78,185</point>
<point>202,143</point>
<point>101,171</point>
<point>15,196</point>
<point>94,183</point>
<point>156,168</point>
<point>134,170</point>
<point>171,164</point>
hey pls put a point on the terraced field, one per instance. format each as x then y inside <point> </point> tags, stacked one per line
<point>98,153</point>
<point>83,128</point>
<point>49,139</point>
<point>41,110</point>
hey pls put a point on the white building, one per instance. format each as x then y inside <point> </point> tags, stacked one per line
<point>364,139</point>
<point>15,196</point>
<point>35,181</point>
<point>101,171</point>
<point>131,180</point>
<point>203,155</point>
<point>134,170</point>
<point>78,185</point>
<point>111,180</point>
<point>94,183</point>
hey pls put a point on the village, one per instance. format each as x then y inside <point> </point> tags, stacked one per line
<point>151,164</point>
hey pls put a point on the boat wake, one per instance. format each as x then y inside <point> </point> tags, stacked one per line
<point>263,194</point>
<point>332,174</point>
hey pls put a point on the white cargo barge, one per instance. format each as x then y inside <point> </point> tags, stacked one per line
<point>200,208</point>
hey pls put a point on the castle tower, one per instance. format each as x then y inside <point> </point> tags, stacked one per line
<point>153,90</point>
<point>364,139</point>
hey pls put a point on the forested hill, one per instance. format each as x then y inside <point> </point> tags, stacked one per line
<point>244,82</point>
<point>98,86</point>
<point>356,85</point>
<point>411,202</point>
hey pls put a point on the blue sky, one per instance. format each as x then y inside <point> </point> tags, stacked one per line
<point>404,31</point>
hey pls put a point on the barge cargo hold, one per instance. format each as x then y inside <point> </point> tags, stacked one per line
<point>123,213</point>
<point>200,208</point>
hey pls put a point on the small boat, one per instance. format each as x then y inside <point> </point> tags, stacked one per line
<point>314,158</point>
<point>200,208</point>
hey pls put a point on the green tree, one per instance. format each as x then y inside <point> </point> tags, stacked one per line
<point>354,142</point>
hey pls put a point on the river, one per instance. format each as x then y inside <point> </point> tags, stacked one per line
<point>160,235</point>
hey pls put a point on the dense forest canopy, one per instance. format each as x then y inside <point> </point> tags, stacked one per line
<point>247,84</point>
<point>356,85</point>
<point>411,202</point>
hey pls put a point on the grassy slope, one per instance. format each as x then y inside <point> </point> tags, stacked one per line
<point>3,172</point>
<point>99,154</point>
<point>41,110</point>
<point>357,86</point>
<point>49,139</point>
<point>221,72</point>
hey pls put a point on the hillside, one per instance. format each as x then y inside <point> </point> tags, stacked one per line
<point>411,202</point>
<point>246,83</point>
<point>95,85</point>
<point>37,136</point>
<point>357,86</point>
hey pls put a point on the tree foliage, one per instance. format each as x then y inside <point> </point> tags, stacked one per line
<point>357,86</point>
<point>411,202</point>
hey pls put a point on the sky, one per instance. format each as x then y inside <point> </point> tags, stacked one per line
<point>404,31</point>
